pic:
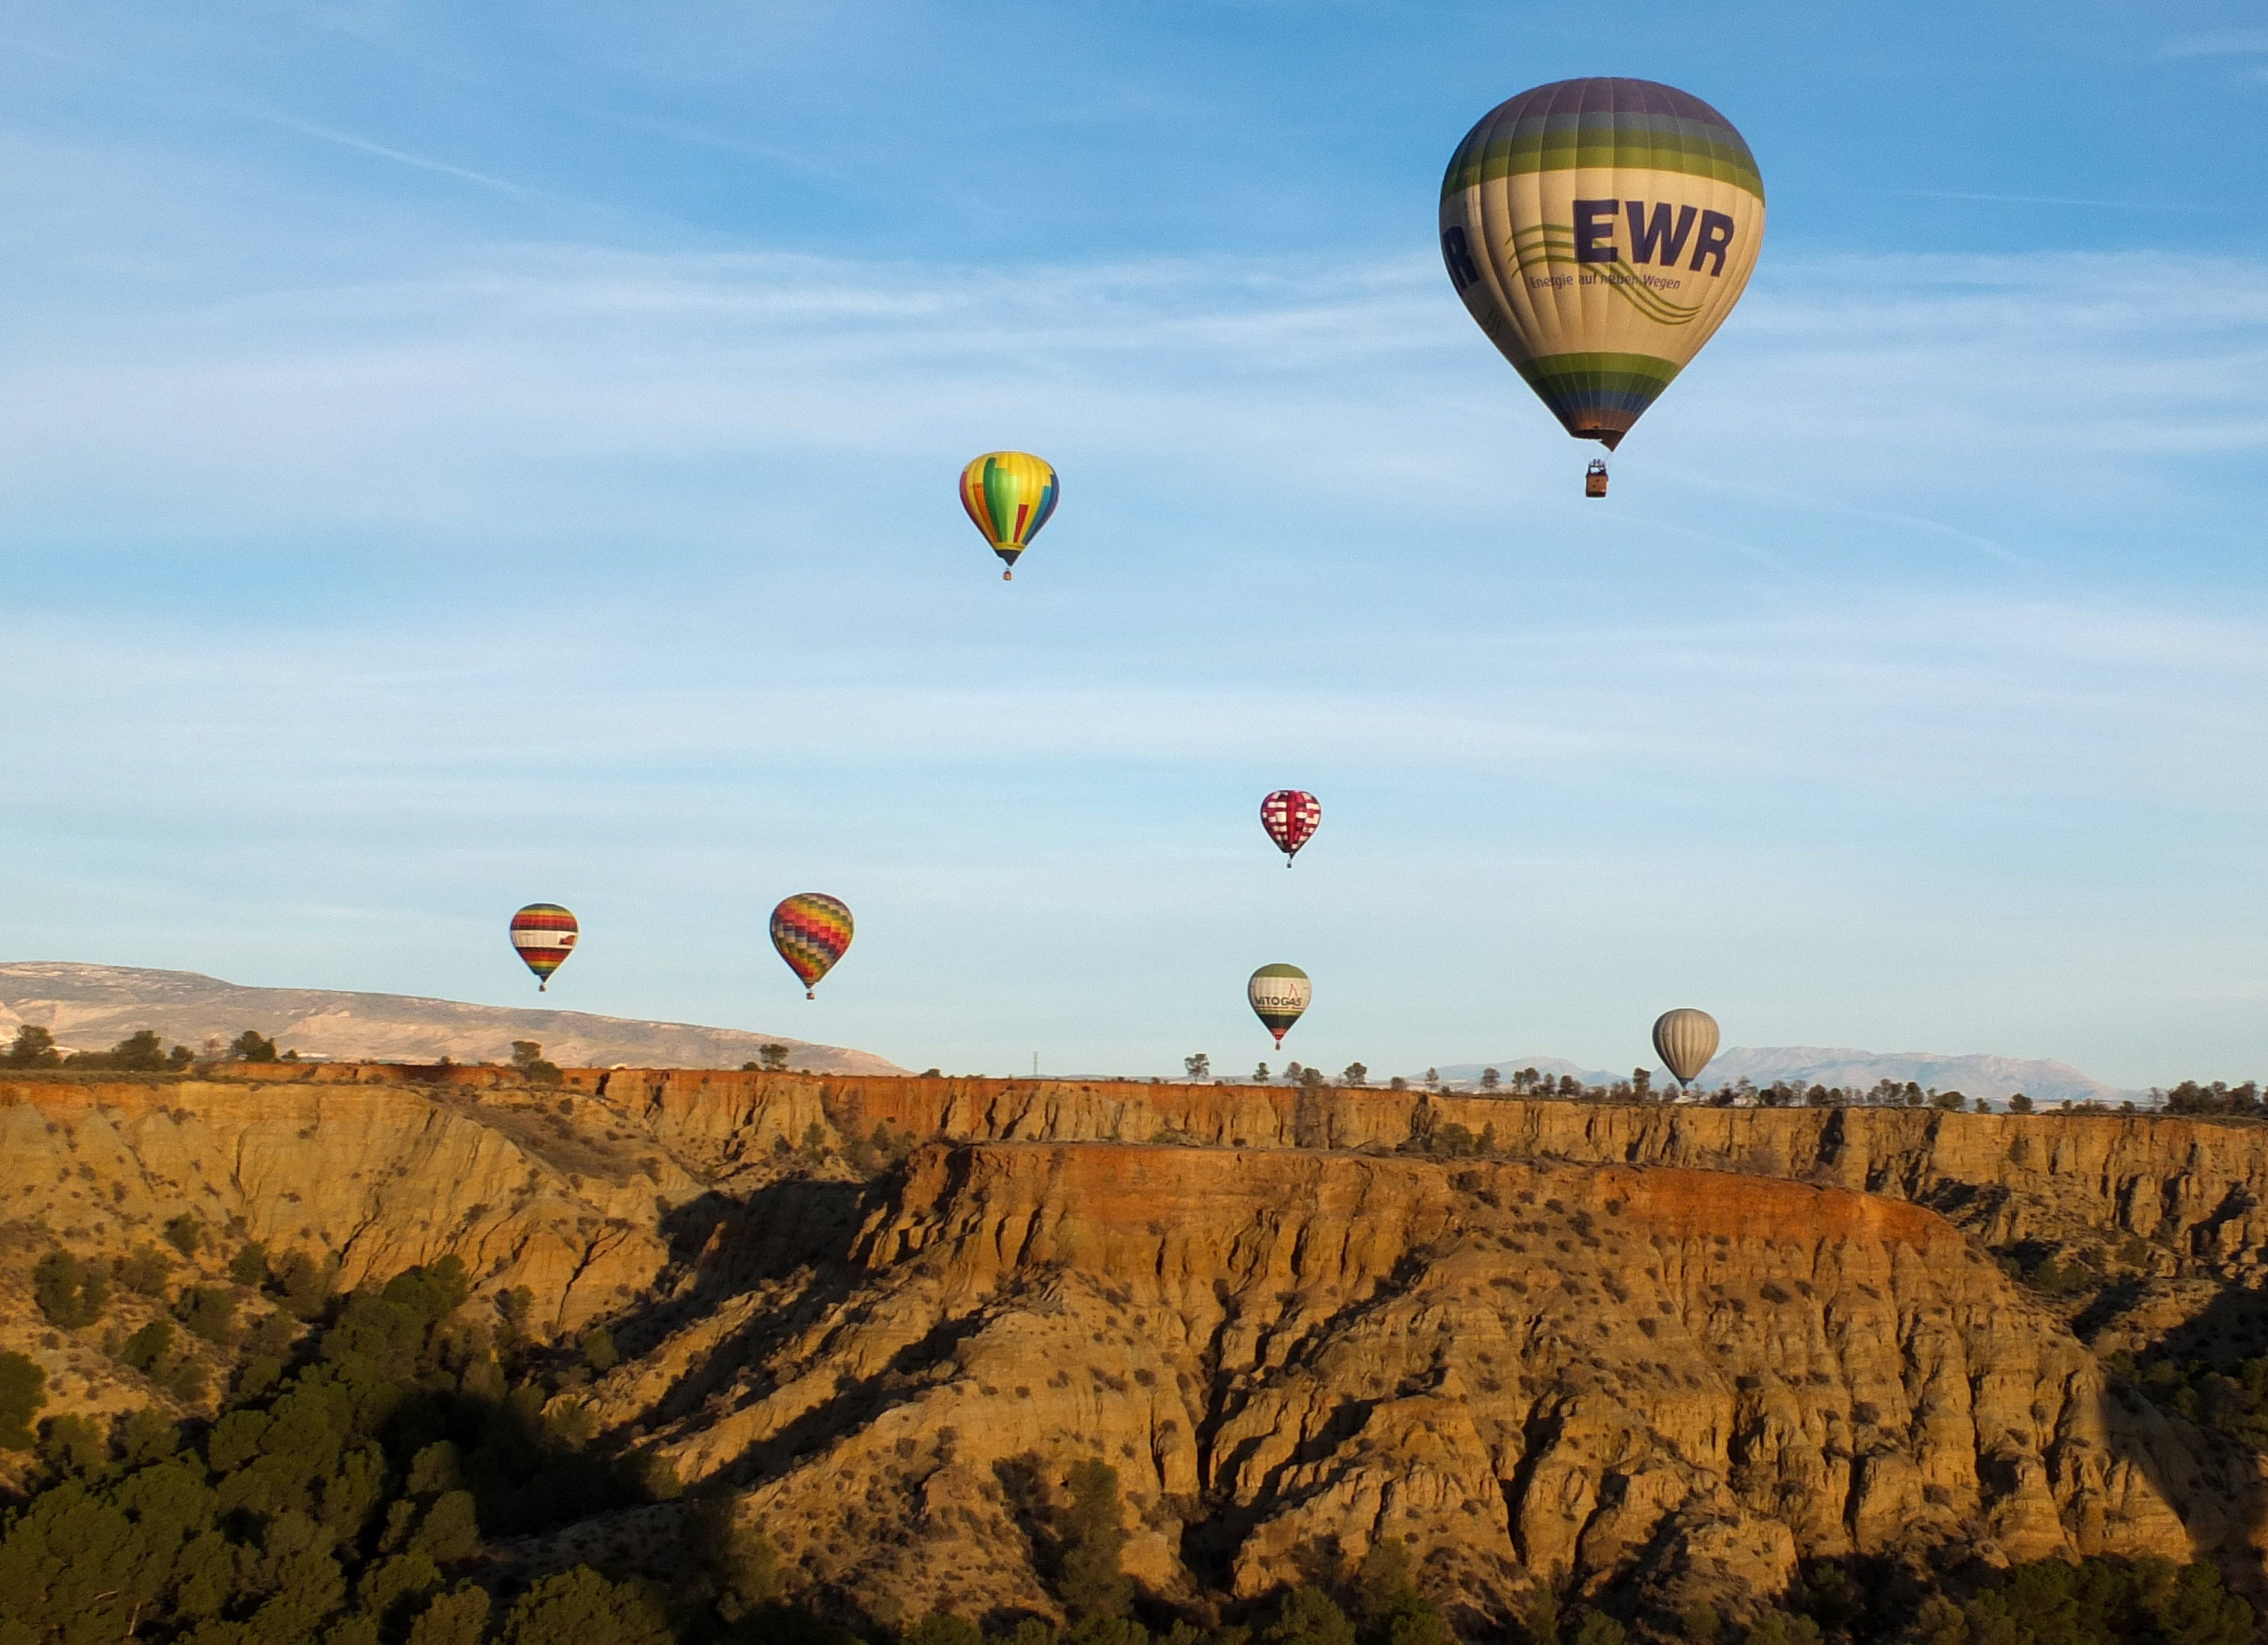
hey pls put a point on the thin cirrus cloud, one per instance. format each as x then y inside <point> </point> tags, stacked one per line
<point>660,387</point>
<point>2220,42</point>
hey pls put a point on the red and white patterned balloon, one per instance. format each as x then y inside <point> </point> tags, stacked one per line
<point>1291,817</point>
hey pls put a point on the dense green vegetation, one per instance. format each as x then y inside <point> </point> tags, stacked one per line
<point>2241,1101</point>
<point>341,1496</point>
<point>139,1052</point>
<point>2232,1400</point>
<point>2095,1602</point>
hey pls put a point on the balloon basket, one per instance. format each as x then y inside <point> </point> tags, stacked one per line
<point>1595,478</point>
<point>1007,577</point>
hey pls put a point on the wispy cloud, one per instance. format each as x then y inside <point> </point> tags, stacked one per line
<point>364,145</point>
<point>2043,200</point>
<point>2220,42</point>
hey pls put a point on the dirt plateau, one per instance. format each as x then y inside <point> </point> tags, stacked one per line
<point>1664,1350</point>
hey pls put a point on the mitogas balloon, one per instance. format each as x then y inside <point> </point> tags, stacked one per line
<point>1279,993</point>
<point>1600,230</point>
<point>1685,1040</point>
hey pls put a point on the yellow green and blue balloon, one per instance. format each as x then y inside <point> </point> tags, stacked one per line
<point>1009,494</point>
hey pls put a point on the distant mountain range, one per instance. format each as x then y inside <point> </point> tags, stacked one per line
<point>1976,1075</point>
<point>90,1007</point>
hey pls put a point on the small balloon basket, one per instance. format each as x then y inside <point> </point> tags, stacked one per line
<point>1594,478</point>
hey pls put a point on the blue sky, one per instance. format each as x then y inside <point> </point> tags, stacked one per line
<point>457,457</point>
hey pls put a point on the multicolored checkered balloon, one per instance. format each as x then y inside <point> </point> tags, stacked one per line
<point>544,934</point>
<point>811,929</point>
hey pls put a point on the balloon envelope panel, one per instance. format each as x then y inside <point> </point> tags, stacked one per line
<point>1600,230</point>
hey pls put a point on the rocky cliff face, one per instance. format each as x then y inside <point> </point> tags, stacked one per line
<point>1665,1377</point>
<point>2196,1191</point>
<point>1670,1351</point>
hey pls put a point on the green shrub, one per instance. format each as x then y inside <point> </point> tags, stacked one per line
<point>147,1348</point>
<point>939,1628</point>
<point>583,1608</point>
<point>73,1446</point>
<point>34,1048</point>
<point>23,1391</point>
<point>210,1311</point>
<point>306,1284</point>
<point>184,1378</point>
<point>1090,1583</point>
<point>144,1270</point>
<point>461,1618</point>
<point>249,1265</point>
<point>1309,1617</point>
<point>184,1234</point>
<point>69,1293</point>
<point>139,1052</point>
<point>252,1046</point>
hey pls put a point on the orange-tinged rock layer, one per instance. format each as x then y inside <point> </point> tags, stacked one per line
<point>2196,1189</point>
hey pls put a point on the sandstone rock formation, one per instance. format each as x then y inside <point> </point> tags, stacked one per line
<point>1663,1375</point>
<point>1666,1352</point>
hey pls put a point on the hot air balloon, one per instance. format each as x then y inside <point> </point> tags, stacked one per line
<point>544,934</point>
<point>1010,496</point>
<point>1600,230</point>
<point>1291,816</point>
<point>1685,1040</point>
<point>1279,993</point>
<point>811,929</point>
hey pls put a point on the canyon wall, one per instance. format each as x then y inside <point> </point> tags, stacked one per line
<point>1662,1351</point>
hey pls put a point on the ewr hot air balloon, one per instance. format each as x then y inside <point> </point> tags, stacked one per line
<point>544,934</point>
<point>1010,496</point>
<point>1685,1040</point>
<point>1279,993</point>
<point>811,929</point>
<point>1291,817</point>
<point>1600,230</point>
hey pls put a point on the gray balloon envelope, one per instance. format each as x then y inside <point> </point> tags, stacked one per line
<point>1685,1040</point>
